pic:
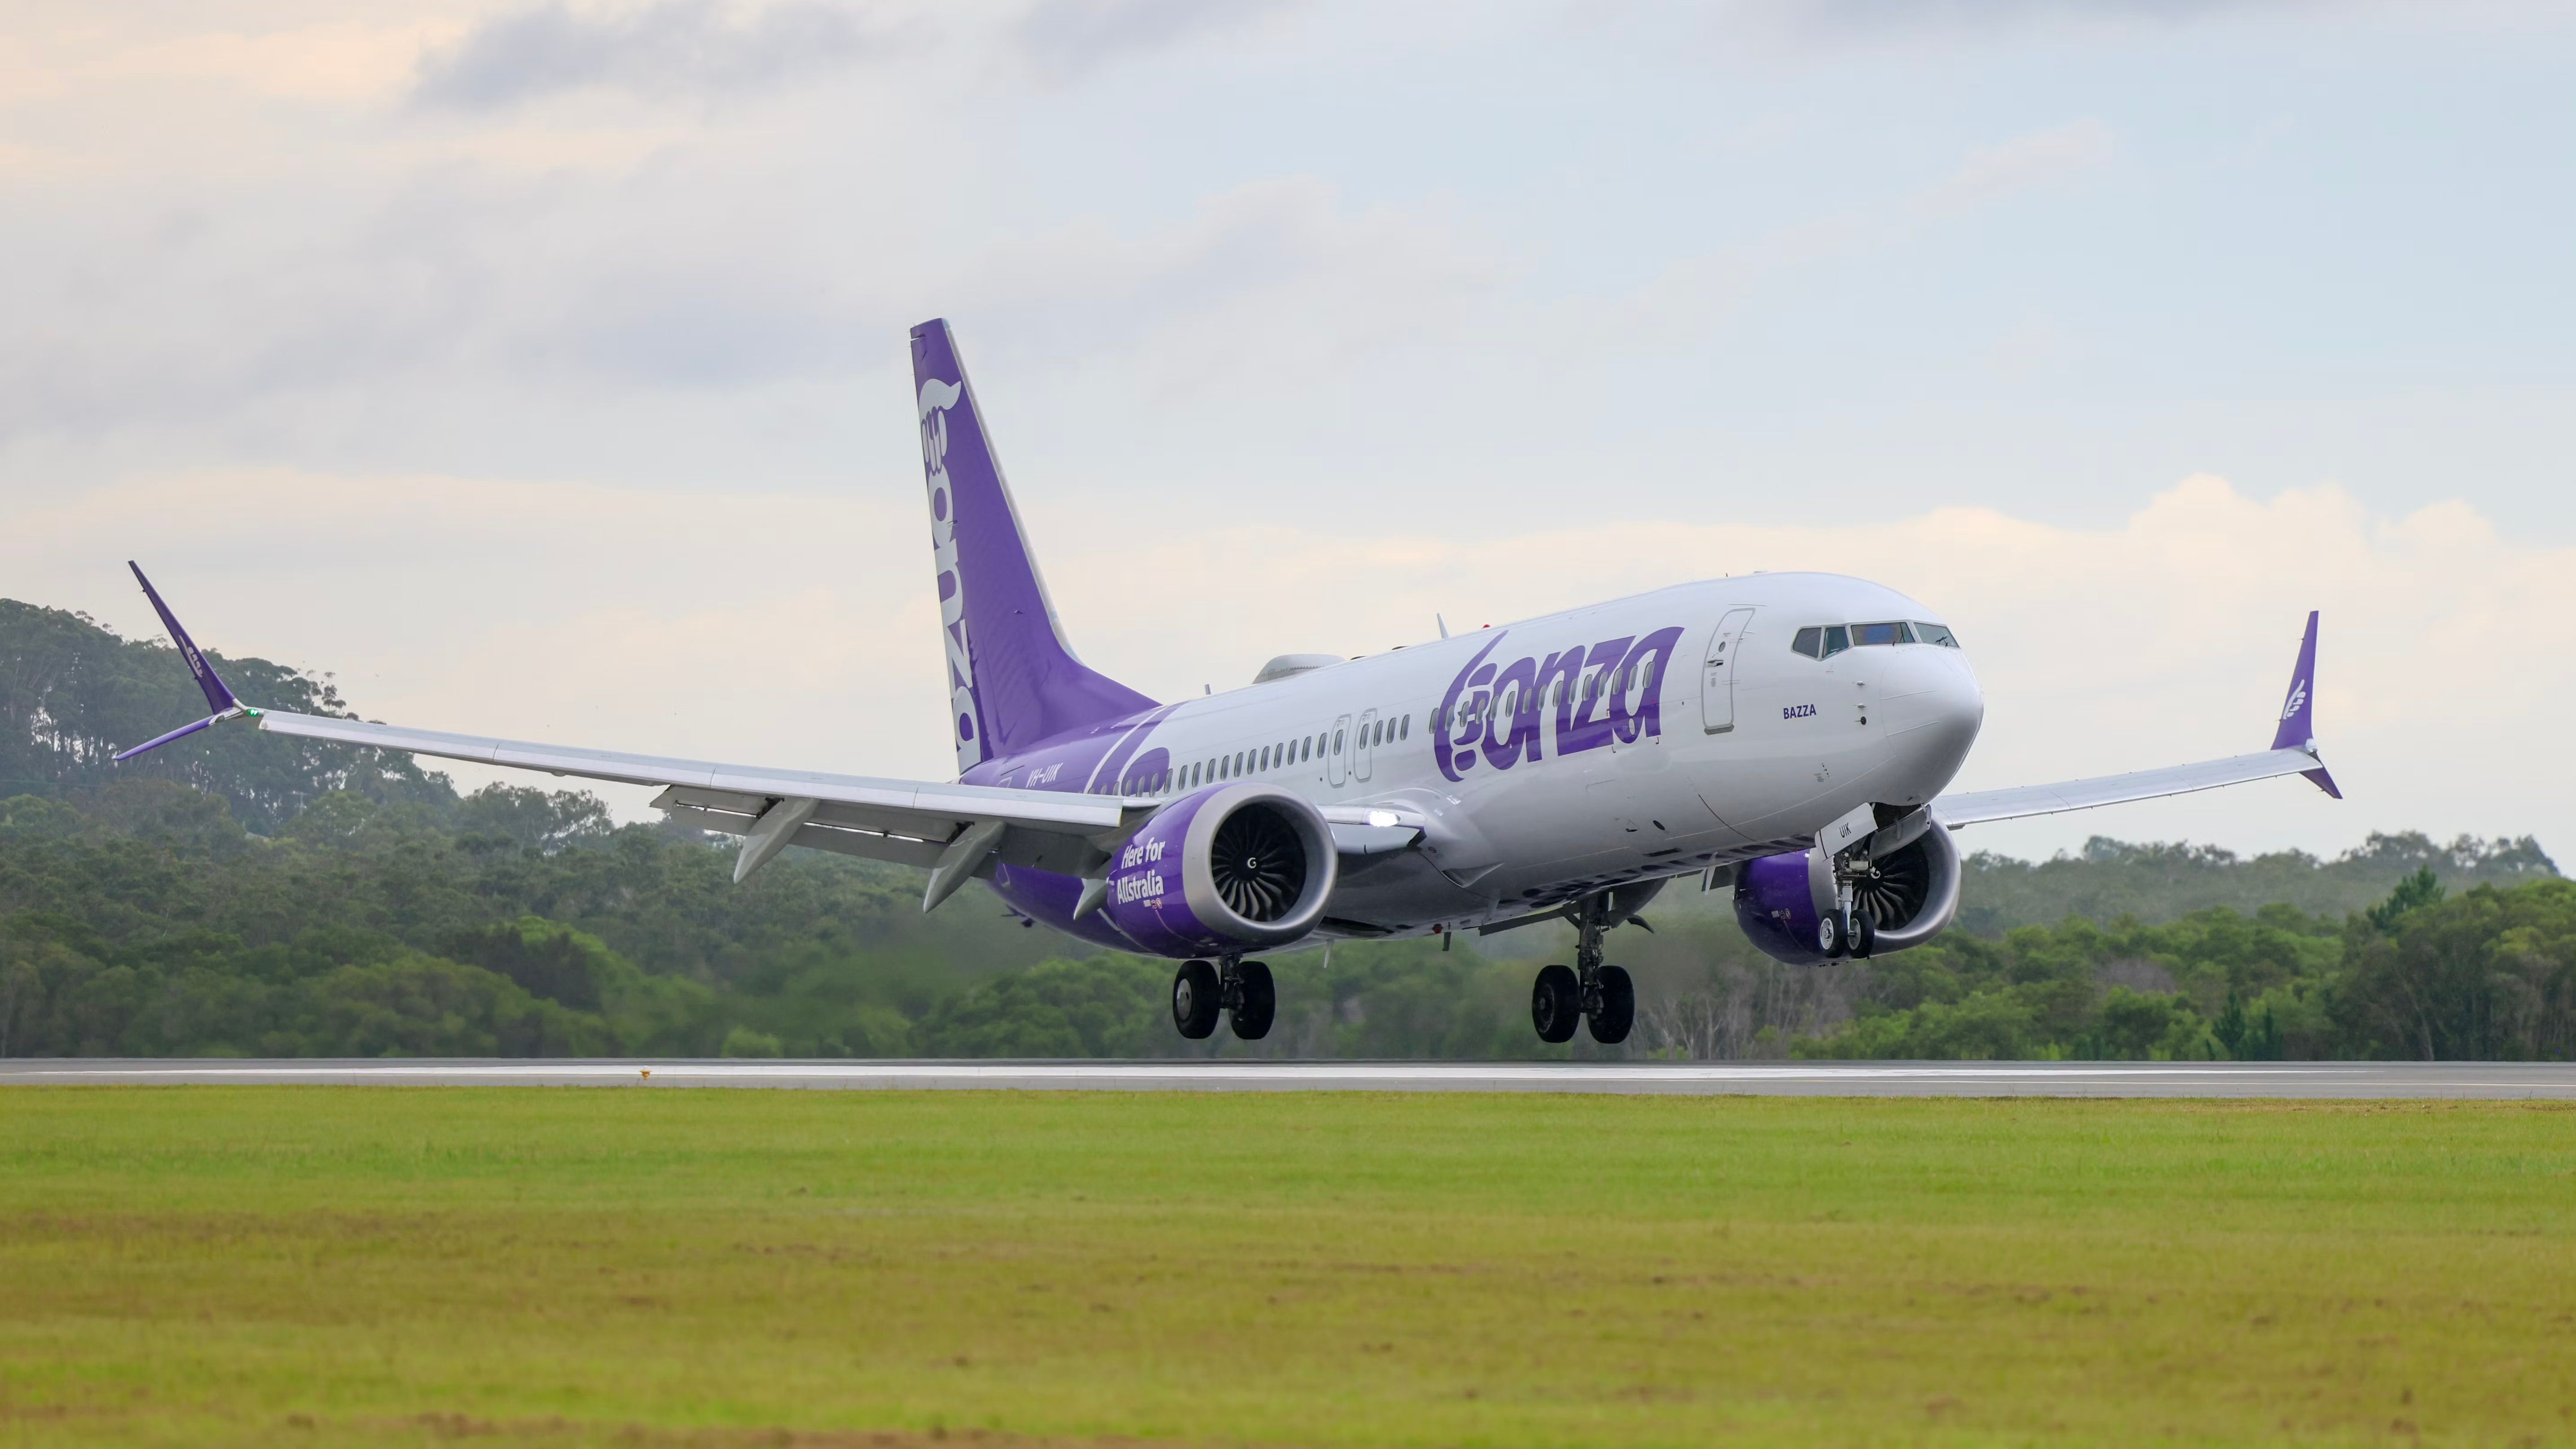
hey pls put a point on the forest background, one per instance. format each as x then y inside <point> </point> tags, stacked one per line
<point>240,893</point>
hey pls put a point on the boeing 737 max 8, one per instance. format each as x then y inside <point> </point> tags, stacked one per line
<point>1790,734</point>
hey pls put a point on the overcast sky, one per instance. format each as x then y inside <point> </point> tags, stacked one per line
<point>541,368</point>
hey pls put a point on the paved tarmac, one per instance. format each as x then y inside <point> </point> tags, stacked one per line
<point>1772,1079</point>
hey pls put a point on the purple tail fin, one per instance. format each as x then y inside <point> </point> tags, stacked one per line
<point>2298,729</point>
<point>1012,681</point>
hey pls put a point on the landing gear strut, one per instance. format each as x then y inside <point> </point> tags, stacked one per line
<point>1200,991</point>
<point>1590,991</point>
<point>1847,930</point>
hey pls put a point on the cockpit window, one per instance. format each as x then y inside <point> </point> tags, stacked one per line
<point>1822,641</point>
<point>1826,641</point>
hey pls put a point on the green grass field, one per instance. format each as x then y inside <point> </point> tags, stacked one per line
<point>318,1266</point>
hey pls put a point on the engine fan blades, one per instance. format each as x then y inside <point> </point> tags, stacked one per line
<point>1258,864</point>
<point>1895,892</point>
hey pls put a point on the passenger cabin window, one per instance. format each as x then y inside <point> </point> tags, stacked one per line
<point>1936,634</point>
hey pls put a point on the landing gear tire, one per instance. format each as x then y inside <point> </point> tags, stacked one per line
<point>1556,1003</point>
<point>1864,937</point>
<point>1257,1001</point>
<point>1617,1008</point>
<point>1196,997</point>
<point>1829,937</point>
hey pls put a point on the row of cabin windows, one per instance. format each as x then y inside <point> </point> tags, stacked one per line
<point>1594,686</point>
<point>1824,641</point>
<point>1267,757</point>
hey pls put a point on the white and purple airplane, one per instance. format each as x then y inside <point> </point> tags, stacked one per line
<point>1788,734</point>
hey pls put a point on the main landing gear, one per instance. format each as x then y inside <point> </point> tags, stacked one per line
<point>1200,991</point>
<point>1588,991</point>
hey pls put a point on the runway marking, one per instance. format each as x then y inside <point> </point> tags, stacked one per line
<point>2069,1079</point>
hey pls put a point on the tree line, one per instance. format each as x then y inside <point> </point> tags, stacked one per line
<point>250,895</point>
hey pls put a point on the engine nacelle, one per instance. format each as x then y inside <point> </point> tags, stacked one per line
<point>1233,868</point>
<point>1911,895</point>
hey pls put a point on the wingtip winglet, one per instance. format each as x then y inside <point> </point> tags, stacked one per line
<point>2297,729</point>
<point>219,695</point>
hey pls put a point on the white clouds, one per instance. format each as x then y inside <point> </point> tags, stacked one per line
<point>2037,159</point>
<point>289,57</point>
<point>1071,36</point>
<point>668,50</point>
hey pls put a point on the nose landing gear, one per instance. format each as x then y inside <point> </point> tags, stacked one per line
<point>1602,996</point>
<point>1200,991</point>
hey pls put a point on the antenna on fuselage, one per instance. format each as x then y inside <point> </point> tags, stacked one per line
<point>1443,623</point>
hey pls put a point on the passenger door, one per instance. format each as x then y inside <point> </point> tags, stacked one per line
<point>1717,672</point>
<point>1363,753</point>
<point>1336,763</point>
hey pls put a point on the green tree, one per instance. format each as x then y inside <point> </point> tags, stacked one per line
<point>2487,975</point>
<point>2414,893</point>
<point>1107,1006</point>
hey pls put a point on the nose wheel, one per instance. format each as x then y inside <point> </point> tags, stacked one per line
<point>1846,933</point>
<point>1201,992</point>
<point>1588,992</point>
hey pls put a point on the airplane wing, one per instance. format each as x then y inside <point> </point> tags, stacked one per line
<point>955,830</point>
<point>2293,752</point>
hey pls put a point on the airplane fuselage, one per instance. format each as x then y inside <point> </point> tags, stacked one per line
<point>1642,738</point>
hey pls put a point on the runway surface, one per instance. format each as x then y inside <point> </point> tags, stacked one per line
<point>1776,1079</point>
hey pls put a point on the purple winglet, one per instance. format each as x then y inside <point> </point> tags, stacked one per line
<point>219,696</point>
<point>2298,730</point>
<point>181,733</point>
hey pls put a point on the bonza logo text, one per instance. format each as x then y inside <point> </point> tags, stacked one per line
<point>936,399</point>
<point>1597,694</point>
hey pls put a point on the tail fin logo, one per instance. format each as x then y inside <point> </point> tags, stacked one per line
<point>2298,698</point>
<point>965,714</point>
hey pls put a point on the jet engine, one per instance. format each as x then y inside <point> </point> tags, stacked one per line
<point>1910,894</point>
<point>1232,868</point>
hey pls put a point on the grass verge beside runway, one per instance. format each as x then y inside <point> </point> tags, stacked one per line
<point>319,1266</point>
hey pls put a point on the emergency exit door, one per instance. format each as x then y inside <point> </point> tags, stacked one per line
<point>1717,672</point>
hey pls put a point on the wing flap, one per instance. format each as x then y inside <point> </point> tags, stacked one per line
<point>896,848</point>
